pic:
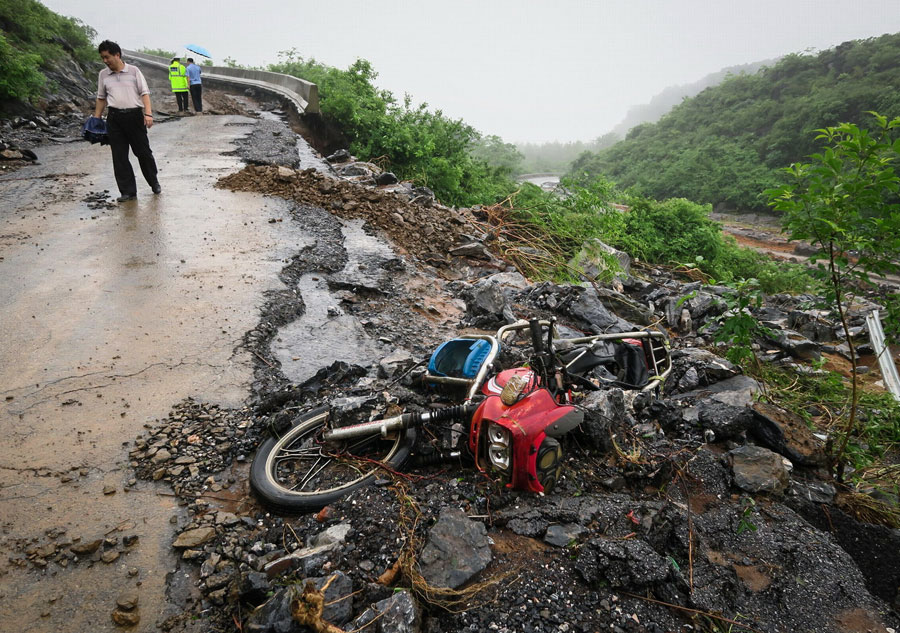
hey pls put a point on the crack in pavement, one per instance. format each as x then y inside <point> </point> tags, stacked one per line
<point>112,377</point>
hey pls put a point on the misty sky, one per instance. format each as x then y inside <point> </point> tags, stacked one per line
<point>526,70</point>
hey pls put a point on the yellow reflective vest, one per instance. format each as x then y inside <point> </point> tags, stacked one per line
<point>178,77</point>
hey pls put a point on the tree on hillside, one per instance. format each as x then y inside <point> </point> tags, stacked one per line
<point>845,203</point>
<point>726,145</point>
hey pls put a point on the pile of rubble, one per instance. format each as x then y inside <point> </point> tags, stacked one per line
<point>712,504</point>
<point>415,223</point>
<point>696,509</point>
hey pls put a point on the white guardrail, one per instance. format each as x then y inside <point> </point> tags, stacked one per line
<point>888,368</point>
<point>302,94</point>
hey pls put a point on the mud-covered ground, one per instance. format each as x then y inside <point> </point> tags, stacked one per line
<point>656,536</point>
<point>646,533</point>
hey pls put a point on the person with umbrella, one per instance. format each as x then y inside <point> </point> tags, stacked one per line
<point>195,86</point>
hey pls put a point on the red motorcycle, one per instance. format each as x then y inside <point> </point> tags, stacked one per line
<point>511,421</point>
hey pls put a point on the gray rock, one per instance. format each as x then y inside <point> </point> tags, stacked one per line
<point>127,600</point>
<point>161,455</point>
<point>625,307</point>
<point>355,169</point>
<point>338,602</point>
<point>86,547</point>
<point>471,249</point>
<point>813,491</point>
<point>621,563</point>
<point>487,300</point>
<point>561,535</point>
<point>591,259</point>
<point>737,391</point>
<point>703,305</point>
<point>309,559</point>
<point>195,537</point>
<point>335,534</point>
<point>757,469</point>
<point>797,345</point>
<point>524,521</point>
<point>726,421</point>
<point>689,380</point>
<point>786,433</point>
<point>386,178</point>
<point>340,156</point>
<point>457,550</point>
<point>589,308</point>
<point>274,615</point>
<point>397,614</point>
<point>394,363</point>
<point>685,322</point>
<point>601,410</point>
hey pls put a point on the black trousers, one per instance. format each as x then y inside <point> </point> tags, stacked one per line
<point>126,129</point>
<point>182,99</point>
<point>197,97</point>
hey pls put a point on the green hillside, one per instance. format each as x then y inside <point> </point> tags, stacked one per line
<point>34,41</point>
<point>725,145</point>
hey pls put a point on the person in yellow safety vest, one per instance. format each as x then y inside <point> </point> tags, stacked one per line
<point>178,79</point>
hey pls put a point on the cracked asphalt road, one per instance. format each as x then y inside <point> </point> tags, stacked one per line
<point>110,316</point>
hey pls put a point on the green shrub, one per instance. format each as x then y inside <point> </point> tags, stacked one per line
<point>412,141</point>
<point>159,52</point>
<point>672,231</point>
<point>33,28</point>
<point>19,77</point>
<point>725,145</point>
<point>33,39</point>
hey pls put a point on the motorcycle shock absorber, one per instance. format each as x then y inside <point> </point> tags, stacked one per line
<point>435,458</point>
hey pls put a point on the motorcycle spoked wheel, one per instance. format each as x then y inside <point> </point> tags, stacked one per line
<point>296,472</point>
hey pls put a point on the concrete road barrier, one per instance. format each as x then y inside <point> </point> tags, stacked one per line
<point>302,94</point>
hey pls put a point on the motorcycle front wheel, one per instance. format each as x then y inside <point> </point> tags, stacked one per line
<point>297,472</point>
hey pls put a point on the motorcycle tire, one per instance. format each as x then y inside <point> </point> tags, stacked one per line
<point>295,473</point>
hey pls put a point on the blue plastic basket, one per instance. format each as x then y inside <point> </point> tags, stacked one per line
<point>459,358</point>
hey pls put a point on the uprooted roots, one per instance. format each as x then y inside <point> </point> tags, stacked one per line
<point>453,600</point>
<point>868,509</point>
<point>307,608</point>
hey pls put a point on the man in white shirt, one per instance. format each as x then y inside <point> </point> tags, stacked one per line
<point>123,88</point>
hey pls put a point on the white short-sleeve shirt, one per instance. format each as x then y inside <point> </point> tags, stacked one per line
<point>122,89</point>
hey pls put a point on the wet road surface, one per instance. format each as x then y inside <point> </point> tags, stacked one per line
<point>109,317</point>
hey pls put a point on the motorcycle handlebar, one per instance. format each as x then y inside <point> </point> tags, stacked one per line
<point>535,327</point>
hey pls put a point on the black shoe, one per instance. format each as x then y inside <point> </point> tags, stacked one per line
<point>126,198</point>
<point>156,188</point>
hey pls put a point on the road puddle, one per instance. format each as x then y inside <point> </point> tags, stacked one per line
<point>325,326</point>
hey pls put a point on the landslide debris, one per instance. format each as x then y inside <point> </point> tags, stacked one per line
<point>659,522</point>
<point>416,225</point>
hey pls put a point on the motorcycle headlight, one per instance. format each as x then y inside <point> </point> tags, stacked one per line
<point>499,446</point>
<point>548,463</point>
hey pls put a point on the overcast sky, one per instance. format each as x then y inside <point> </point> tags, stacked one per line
<point>526,70</point>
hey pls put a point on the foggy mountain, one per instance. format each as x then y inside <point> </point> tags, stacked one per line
<point>673,95</point>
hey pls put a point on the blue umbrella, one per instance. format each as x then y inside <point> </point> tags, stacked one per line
<point>198,49</point>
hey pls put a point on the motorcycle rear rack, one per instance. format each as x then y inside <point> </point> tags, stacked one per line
<point>656,353</point>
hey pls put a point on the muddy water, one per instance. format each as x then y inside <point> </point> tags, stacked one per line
<point>110,316</point>
<point>324,326</point>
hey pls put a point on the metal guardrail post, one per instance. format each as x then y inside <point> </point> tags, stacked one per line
<point>883,353</point>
